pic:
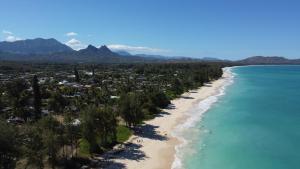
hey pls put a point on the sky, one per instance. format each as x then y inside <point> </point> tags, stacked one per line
<point>226,29</point>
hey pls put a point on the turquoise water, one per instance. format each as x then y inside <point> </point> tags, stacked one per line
<point>255,125</point>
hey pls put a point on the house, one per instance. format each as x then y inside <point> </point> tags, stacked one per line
<point>76,122</point>
<point>45,112</point>
<point>62,82</point>
<point>15,120</point>
<point>114,97</point>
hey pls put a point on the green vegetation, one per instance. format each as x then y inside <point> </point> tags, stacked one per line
<point>84,148</point>
<point>9,145</point>
<point>123,133</point>
<point>54,114</point>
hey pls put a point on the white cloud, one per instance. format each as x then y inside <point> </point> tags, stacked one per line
<point>12,38</point>
<point>136,49</point>
<point>75,44</point>
<point>5,32</point>
<point>71,34</point>
<point>9,36</point>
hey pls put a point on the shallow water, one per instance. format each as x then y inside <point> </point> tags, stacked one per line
<point>255,125</point>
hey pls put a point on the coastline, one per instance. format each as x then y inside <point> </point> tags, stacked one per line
<point>155,146</point>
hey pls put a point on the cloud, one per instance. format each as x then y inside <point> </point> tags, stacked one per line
<point>10,37</point>
<point>75,44</point>
<point>5,32</point>
<point>71,34</point>
<point>136,49</point>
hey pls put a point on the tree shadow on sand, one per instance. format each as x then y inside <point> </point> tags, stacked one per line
<point>162,114</point>
<point>108,164</point>
<point>186,97</point>
<point>114,165</point>
<point>148,131</point>
<point>131,151</point>
<point>171,106</point>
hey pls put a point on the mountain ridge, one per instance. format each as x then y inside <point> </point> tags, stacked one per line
<point>34,46</point>
<point>267,60</point>
<point>51,50</point>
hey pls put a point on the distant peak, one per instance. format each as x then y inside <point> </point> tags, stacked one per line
<point>91,47</point>
<point>104,47</point>
<point>35,39</point>
<point>42,39</point>
<point>52,39</point>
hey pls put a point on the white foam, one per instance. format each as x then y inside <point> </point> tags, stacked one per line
<point>194,116</point>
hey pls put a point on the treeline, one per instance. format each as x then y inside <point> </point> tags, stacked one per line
<point>61,126</point>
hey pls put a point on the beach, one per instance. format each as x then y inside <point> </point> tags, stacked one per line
<point>153,145</point>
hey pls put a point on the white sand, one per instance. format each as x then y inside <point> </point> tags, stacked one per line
<point>155,147</point>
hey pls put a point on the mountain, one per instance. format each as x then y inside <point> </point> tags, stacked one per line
<point>263,60</point>
<point>102,54</point>
<point>210,59</point>
<point>89,54</point>
<point>157,58</point>
<point>34,46</point>
<point>51,50</point>
<point>183,58</point>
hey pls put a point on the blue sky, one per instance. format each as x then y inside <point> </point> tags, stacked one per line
<point>228,29</point>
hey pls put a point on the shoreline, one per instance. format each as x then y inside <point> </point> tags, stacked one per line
<point>155,146</point>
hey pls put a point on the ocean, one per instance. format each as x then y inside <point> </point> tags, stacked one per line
<point>251,123</point>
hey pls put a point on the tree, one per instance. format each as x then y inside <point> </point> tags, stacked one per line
<point>35,148</point>
<point>52,144</point>
<point>37,98</point>
<point>57,102</point>
<point>149,109</point>
<point>205,76</point>
<point>98,126</point>
<point>77,78</point>
<point>51,137</point>
<point>71,133</point>
<point>106,125</point>
<point>78,102</point>
<point>9,146</point>
<point>88,131</point>
<point>159,99</point>
<point>43,139</point>
<point>130,109</point>
<point>18,97</point>
<point>98,96</point>
<point>177,87</point>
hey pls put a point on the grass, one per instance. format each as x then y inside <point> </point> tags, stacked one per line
<point>123,133</point>
<point>84,148</point>
<point>171,95</point>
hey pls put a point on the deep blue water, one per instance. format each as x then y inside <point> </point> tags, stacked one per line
<point>255,125</point>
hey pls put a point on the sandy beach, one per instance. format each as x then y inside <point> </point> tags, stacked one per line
<point>153,146</point>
